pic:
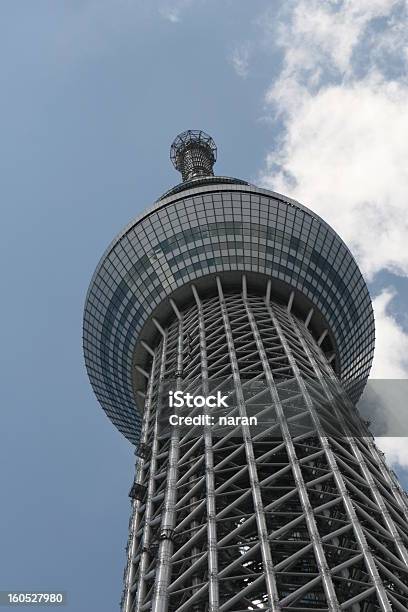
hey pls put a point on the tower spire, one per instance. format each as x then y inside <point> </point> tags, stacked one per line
<point>193,153</point>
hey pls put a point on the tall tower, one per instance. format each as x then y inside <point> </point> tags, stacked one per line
<point>288,504</point>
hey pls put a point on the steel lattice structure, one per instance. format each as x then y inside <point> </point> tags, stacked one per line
<point>193,153</point>
<point>299,512</point>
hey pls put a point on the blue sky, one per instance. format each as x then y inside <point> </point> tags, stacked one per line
<point>93,93</point>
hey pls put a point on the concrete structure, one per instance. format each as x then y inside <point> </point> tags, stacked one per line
<point>221,285</point>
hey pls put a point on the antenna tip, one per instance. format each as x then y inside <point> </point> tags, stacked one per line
<point>193,153</point>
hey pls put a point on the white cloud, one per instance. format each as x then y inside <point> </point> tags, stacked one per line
<point>343,148</point>
<point>345,153</point>
<point>170,14</point>
<point>240,60</point>
<point>173,9</point>
<point>396,450</point>
<point>391,354</point>
<point>318,38</point>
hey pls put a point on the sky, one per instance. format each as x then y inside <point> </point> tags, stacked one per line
<point>305,97</point>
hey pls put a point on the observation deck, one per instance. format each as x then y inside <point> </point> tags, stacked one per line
<point>210,226</point>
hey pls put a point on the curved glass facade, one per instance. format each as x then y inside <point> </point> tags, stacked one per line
<point>208,229</point>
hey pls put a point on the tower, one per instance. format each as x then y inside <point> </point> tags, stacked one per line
<point>222,286</point>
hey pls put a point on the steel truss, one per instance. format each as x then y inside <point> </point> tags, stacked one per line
<point>303,515</point>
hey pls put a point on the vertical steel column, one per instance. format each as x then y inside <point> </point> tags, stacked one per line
<point>209,472</point>
<point>359,533</point>
<point>194,525</point>
<point>332,602</point>
<point>128,603</point>
<point>163,571</point>
<point>270,578</point>
<point>145,554</point>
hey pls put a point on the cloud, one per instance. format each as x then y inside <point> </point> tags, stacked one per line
<point>319,39</point>
<point>391,354</point>
<point>345,152</point>
<point>173,9</point>
<point>240,60</point>
<point>343,147</point>
<point>395,449</point>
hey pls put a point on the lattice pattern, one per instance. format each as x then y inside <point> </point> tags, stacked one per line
<point>296,517</point>
<point>193,153</point>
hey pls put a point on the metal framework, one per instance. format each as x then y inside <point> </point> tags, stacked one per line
<point>299,514</point>
<point>193,153</point>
